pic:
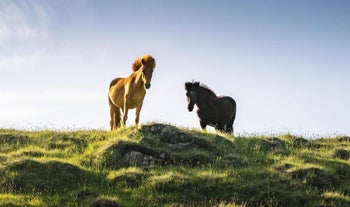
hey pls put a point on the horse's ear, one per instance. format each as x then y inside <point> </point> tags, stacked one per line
<point>196,84</point>
<point>143,61</point>
<point>187,84</point>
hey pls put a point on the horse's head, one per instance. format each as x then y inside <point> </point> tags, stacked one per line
<point>147,71</point>
<point>191,93</point>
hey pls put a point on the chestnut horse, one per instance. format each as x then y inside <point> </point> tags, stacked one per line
<point>215,111</point>
<point>128,93</point>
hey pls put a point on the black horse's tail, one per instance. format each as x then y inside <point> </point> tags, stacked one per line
<point>229,125</point>
<point>233,102</point>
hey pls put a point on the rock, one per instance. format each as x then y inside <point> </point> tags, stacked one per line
<point>162,155</point>
<point>134,157</point>
<point>179,146</point>
<point>148,160</point>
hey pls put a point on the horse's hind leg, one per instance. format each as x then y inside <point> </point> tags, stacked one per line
<point>229,129</point>
<point>229,126</point>
<point>220,128</point>
<point>115,116</point>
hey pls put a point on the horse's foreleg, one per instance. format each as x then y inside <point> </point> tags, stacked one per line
<point>125,115</point>
<point>137,117</point>
<point>203,126</point>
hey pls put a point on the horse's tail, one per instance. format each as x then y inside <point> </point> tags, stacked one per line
<point>233,102</point>
<point>229,125</point>
<point>113,82</point>
<point>114,110</point>
<point>110,103</point>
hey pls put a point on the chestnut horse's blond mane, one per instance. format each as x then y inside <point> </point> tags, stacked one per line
<point>148,61</point>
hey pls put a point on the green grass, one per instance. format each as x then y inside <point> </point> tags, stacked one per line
<point>164,165</point>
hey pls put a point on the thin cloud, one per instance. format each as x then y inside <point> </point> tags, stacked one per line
<point>22,60</point>
<point>22,20</point>
<point>14,113</point>
<point>17,105</point>
<point>56,97</point>
<point>18,60</point>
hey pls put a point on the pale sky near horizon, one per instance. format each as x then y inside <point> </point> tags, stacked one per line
<point>286,63</point>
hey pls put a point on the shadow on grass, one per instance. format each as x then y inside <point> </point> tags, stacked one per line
<point>30,176</point>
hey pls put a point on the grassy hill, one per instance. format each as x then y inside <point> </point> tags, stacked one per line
<point>162,165</point>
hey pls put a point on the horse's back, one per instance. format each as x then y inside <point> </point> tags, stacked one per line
<point>227,99</point>
<point>114,82</point>
<point>228,104</point>
<point>231,100</point>
<point>227,110</point>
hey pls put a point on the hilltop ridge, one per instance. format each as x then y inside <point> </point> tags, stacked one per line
<point>163,165</point>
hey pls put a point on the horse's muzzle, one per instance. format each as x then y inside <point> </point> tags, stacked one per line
<point>190,107</point>
<point>147,85</point>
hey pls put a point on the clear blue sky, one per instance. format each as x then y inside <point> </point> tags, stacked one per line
<point>286,63</point>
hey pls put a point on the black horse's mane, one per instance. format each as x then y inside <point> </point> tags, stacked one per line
<point>207,90</point>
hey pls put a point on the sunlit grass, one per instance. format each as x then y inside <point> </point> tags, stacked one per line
<point>189,168</point>
<point>336,195</point>
<point>19,200</point>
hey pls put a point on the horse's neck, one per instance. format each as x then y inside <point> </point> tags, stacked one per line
<point>205,101</point>
<point>137,78</point>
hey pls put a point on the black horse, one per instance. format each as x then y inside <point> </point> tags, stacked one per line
<point>216,111</point>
